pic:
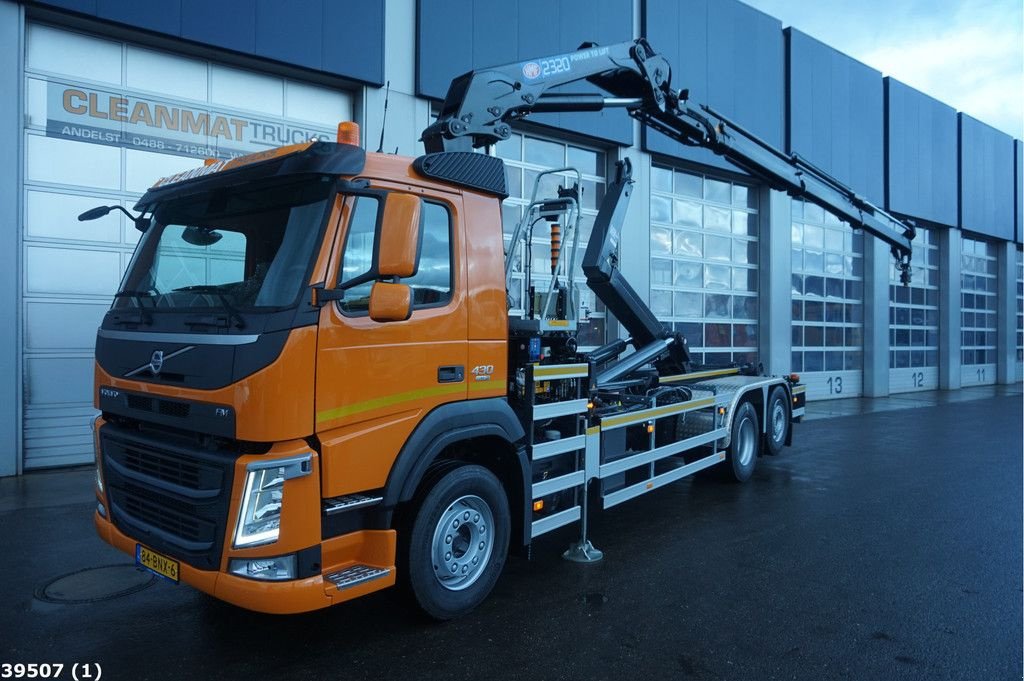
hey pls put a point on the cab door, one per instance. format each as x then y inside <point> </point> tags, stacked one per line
<point>376,380</point>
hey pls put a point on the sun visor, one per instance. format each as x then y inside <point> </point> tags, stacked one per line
<point>316,158</point>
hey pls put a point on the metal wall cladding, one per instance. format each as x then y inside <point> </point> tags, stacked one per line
<point>986,179</point>
<point>730,57</point>
<point>343,39</point>
<point>486,33</point>
<point>922,155</point>
<point>836,114</point>
<point>1018,187</point>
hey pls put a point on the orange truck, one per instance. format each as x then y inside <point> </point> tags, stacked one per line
<point>313,381</point>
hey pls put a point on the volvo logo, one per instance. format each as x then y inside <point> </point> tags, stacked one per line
<point>156,361</point>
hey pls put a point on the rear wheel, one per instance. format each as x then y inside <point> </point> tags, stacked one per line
<point>741,457</point>
<point>458,542</point>
<point>778,420</point>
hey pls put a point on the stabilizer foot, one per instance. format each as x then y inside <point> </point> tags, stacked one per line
<point>583,552</point>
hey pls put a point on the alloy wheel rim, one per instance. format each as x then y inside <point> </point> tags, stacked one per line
<point>745,446</point>
<point>778,421</point>
<point>462,543</point>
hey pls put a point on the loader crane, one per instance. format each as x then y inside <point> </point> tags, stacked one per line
<point>481,105</point>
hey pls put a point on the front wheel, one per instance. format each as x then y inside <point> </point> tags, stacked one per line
<point>458,542</point>
<point>741,457</point>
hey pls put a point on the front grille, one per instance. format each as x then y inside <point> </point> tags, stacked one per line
<point>179,524</point>
<point>178,409</point>
<point>140,402</point>
<point>171,496</point>
<point>159,405</point>
<point>162,467</point>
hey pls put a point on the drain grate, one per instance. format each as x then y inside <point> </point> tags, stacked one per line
<point>95,584</point>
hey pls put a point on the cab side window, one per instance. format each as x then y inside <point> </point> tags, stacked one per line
<point>432,283</point>
<point>357,258</point>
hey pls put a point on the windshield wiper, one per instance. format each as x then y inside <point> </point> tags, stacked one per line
<point>138,297</point>
<point>233,314</point>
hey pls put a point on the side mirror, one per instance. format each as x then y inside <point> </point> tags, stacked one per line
<point>399,247</point>
<point>94,213</point>
<point>390,302</point>
<point>141,223</point>
<point>320,296</point>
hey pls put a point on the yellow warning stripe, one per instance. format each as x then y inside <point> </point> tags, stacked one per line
<point>397,398</point>
<point>697,374</point>
<point>559,371</point>
<point>638,416</point>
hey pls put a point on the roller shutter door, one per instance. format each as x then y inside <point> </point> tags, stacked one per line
<point>103,120</point>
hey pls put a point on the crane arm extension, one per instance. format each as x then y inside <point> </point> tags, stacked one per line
<point>790,173</point>
<point>480,105</point>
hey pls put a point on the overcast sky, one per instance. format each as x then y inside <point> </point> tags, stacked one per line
<point>968,54</point>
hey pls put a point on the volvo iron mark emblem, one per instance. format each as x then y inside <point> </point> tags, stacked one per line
<point>156,362</point>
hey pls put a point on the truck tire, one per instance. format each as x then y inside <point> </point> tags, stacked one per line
<point>741,457</point>
<point>458,542</point>
<point>777,428</point>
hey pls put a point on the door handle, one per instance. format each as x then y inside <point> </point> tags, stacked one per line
<point>451,374</point>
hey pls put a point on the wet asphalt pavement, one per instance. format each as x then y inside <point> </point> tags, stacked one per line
<point>883,545</point>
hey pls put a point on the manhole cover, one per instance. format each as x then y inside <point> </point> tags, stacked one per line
<point>95,584</point>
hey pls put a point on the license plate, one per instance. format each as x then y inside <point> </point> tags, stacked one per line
<point>156,563</point>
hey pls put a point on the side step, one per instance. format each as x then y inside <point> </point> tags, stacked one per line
<point>357,574</point>
<point>349,502</point>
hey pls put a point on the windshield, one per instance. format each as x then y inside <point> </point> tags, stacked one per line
<point>232,248</point>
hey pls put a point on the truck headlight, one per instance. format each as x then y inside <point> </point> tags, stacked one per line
<point>96,454</point>
<point>270,569</point>
<point>259,518</point>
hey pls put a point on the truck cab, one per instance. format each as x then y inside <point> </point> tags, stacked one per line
<point>287,323</point>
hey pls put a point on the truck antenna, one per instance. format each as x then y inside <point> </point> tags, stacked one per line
<point>384,118</point>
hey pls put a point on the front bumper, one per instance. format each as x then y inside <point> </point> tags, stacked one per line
<point>183,502</point>
<point>375,547</point>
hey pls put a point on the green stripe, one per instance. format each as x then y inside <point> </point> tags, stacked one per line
<point>397,398</point>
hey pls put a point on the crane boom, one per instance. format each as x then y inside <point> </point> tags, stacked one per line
<point>480,105</point>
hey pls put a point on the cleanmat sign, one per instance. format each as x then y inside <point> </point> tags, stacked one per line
<point>125,120</point>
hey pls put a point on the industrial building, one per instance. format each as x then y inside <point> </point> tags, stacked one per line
<point>105,96</point>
